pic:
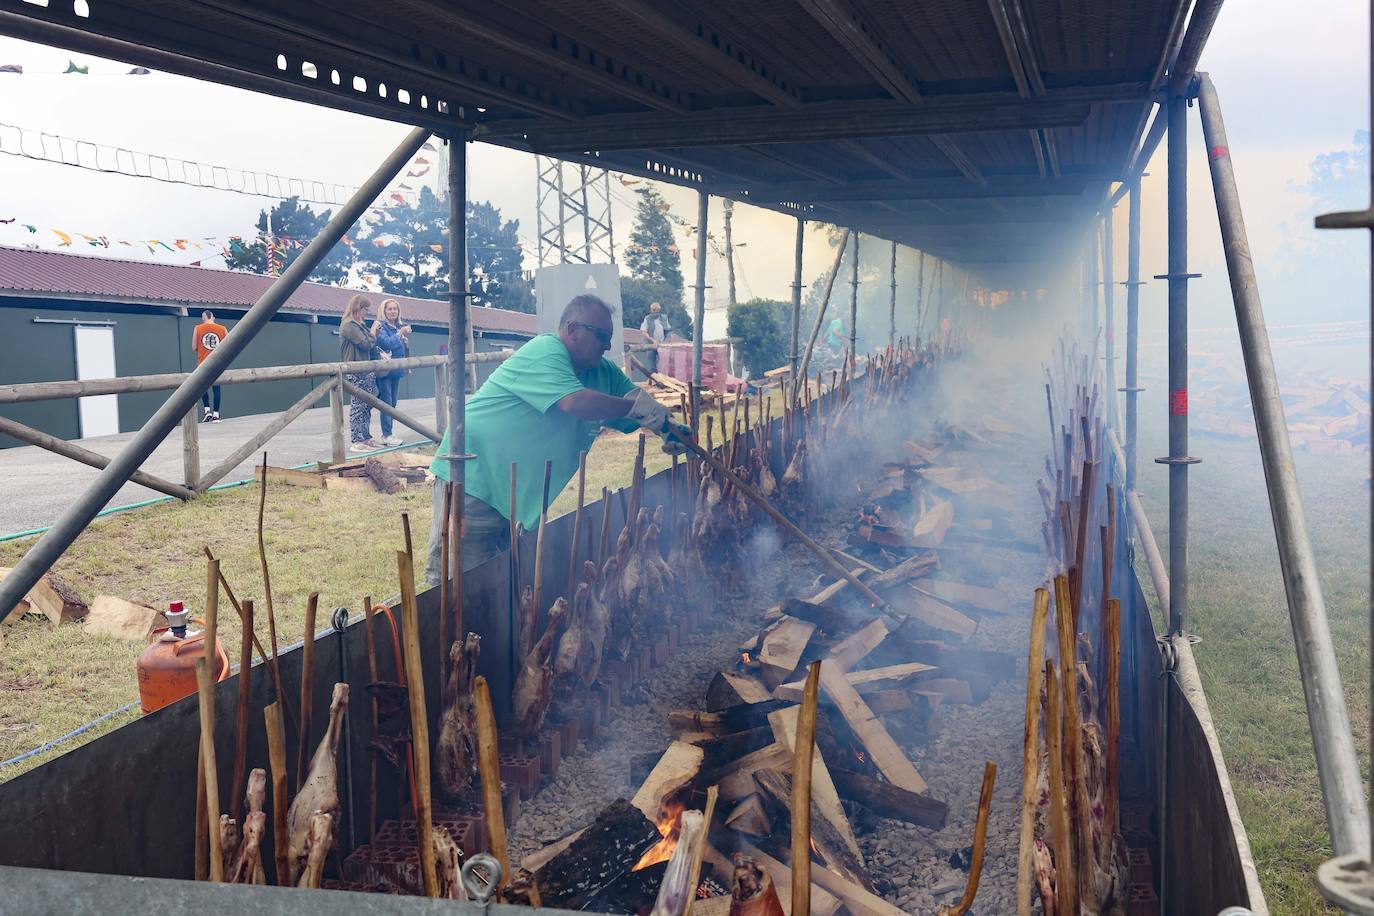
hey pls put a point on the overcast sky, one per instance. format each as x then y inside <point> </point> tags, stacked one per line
<point>1290,93</point>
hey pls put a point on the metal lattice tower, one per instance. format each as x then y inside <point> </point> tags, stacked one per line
<point>574,213</point>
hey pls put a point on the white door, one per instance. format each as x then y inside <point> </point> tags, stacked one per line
<point>95,358</point>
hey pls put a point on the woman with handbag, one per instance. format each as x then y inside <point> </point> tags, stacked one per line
<point>393,339</point>
<point>356,344</point>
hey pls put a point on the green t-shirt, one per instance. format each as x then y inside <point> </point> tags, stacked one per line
<point>514,417</point>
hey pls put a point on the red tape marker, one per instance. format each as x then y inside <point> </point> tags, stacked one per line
<point>1217,152</point>
<point>1178,402</point>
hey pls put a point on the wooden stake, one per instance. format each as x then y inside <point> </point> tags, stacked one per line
<point>605,527</point>
<point>241,723</point>
<point>1066,881</point>
<point>405,531</point>
<point>1112,646</point>
<point>368,611</point>
<point>276,760</point>
<point>267,578</point>
<point>1030,758</point>
<point>801,793</point>
<point>1079,811</point>
<point>266,656</point>
<point>980,836</point>
<point>202,850</point>
<point>489,766</point>
<point>445,529</point>
<point>419,721</point>
<point>206,689</point>
<point>539,542</point>
<point>303,749</point>
<point>577,523</point>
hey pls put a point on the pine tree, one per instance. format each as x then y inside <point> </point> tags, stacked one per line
<point>294,225</point>
<point>652,253</point>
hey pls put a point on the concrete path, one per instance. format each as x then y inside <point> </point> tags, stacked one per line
<point>36,485</point>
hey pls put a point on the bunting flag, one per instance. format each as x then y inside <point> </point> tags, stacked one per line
<point>429,145</point>
<point>437,249</point>
<point>421,160</point>
<point>139,71</point>
<point>11,68</point>
<point>66,239</point>
<point>72,67</point>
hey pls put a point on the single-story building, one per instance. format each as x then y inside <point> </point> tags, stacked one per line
<point>75,316</point>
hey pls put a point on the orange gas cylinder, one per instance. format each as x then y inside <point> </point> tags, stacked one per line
<point>167,668</point>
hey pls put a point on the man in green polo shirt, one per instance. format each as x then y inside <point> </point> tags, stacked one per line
<point>546,402</point>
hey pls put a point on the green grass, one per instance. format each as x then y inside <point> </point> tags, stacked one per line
<point>343,545</point>
<point>1246,654</point>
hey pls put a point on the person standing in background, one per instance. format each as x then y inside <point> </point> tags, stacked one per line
<point>393,340</point>
<point>655,324</point>
<point>355,345</point>
<point>204,339</point>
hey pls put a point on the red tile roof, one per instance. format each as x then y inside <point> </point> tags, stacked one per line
<point>88,277</point>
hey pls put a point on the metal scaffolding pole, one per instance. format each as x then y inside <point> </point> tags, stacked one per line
<point>920,295</point>
<point>1133,284</point>
<point>699,309</point>
<point>854,302</point>
<point>1090,288</point>
<point>1347,815</point>
<point>79,514</point>
<point>1109,310</point>
<point>892,303</point>
<point>1178,277</point>
<point>796,298</point>
<point>455,375</point>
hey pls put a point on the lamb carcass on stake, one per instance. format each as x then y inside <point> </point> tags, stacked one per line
<point>598,621</point>
<point>573,657</point>
<point>685,558</point>
<point>534,683</point>
<point>319,792</point>
<point>455,757</point>
<point>246,865</point>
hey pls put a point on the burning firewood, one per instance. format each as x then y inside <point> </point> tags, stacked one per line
<point>318,795</point>
<point>678,888</point>
<point>456,755</point>
<point>534,683</point>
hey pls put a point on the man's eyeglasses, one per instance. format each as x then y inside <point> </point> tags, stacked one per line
<point>600,334</point>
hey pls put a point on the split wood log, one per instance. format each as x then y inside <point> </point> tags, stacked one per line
<point>606,850</point>
<point>1061,835</point>
<point>57,600</point>
<point>933,614</point>
<point>291,477</point>
<point>823,902</point>
<point>930,529</point>
<point>737,780</point>
<point>721,751</point>
<point>854,648</point>
<point>120,619</point>
<point>782,649</point>
<point>541,857</point>
<point>728,689</point>
<point>817,834</point>
<point>912,567</point>
<point>20,608</point>
<point>749,816</point>
<point>884,751</point>
<point>383,477</point>
<point>885,702</point>
<point>978,597</point>
<point>734,719</point>
<point>1030,758</point>
<point>675,771</point>
<point>785,724</point>
<point>829,617</point>
<point>866,681</point>
<point>947,690</point>
<point>886,800</point>
<point>855,899</point>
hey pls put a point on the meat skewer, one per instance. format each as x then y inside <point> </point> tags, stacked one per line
<point>276,755</point>
<point>539,544</point>
<point>1031,756</point>
<point>205,689</point>
<point>491,776</point>
<point>419,720</point>
<point>241,723</point>
<point>319,793</point>
<point>577,521</point>
<point>980,836</point>
<point>307,686</point>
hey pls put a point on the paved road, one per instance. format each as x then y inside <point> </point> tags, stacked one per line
<point>36,485</point>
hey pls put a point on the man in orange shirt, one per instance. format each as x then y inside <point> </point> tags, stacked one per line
<point>206,337</point>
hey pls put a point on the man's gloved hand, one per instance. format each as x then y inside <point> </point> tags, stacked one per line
<point>675,438</point>
<point>645,411</point>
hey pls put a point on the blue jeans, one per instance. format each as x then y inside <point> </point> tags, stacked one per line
<point>387,389</point>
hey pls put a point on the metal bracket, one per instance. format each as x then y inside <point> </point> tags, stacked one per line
<point>1348,882</point>
<point>1347,219</point>
<point>1177,276</point>
<point>459,457</point>
<point>479,889</point>
<point>1130,390</point>
<point>1132,282</point>
<point>1182,459</point>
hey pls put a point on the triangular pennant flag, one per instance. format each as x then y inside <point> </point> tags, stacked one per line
<point>73,68</point>
<point>421,160</point>
<point>437,249</point>
<point>195,264</point>
<point>138,71</point>
<point>11,68</point>
<point>66,239</point>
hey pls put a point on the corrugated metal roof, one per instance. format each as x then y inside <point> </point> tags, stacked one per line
<point>31,272</point>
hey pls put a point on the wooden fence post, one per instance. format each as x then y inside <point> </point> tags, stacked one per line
<point>440,400</point>
<point>190,448</point>
<point>336,415</point>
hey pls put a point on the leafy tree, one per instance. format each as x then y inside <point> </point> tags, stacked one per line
<point>292,223</point>
<point>762,325</point>
<point>636,293</point>
<point>652,253</point>
<point>407,250</point>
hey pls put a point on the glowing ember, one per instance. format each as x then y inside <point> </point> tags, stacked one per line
<point>745,658</point>
<point>670,826</point>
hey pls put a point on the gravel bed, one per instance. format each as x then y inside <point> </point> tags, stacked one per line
<point>910,864</point>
